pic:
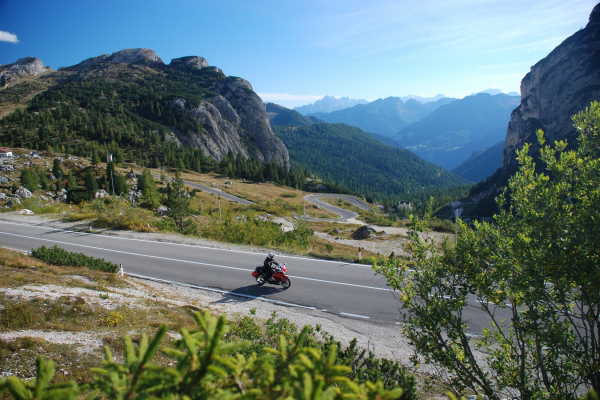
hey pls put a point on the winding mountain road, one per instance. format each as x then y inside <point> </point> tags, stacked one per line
<point>344,214</point>
<point>345,289</point>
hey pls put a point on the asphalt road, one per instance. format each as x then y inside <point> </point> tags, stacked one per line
<point>344,214</point>
<point>219,192</point>
<point>349,290</point>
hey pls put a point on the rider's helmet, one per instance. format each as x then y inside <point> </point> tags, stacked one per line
<point>271,255</point>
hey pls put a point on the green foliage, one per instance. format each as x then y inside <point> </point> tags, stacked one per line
<point>250,229</point>
<point>56,169</point>
<point>76,195</point>
<point>115,182</point>
<point>179,203</point>
<point>29,179</point>
<point>58,256</point>
<point>206,367</point>
<point>150,197</point>
<point>91,185</point>
<point>538,263</point>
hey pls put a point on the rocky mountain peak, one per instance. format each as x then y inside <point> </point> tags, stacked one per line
<point>135,56</point>
<point>190,62</point>
<point>141,56</point>
<point>27,66</point>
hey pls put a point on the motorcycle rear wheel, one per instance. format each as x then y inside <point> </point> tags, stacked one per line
<point>286,283</point>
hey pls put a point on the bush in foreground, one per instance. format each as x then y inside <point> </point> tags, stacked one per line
<point>205,367</point>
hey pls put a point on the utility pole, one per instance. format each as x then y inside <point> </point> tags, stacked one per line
<point>455,226</point>
<point>113,182</point>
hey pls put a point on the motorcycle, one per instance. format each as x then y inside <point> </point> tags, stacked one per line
<point>279,277</point>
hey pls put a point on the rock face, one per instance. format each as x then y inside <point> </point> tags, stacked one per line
<point>253,119</point>
<point>558,86</point>
<point>28,66</point>
<point>145,57</point>
<point>189,62</point>
<point>364,232</point>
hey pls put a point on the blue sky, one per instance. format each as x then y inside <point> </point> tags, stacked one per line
<point>294,52</point>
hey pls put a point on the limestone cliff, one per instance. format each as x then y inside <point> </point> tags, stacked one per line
<point>558,86</point>
<point>253,119</point>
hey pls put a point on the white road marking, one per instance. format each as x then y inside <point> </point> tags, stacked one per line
<point>187,261</point>
<point>183,244</point>
<point>355,315</point>
<point>283,303</point>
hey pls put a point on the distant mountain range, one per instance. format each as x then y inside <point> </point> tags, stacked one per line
<point>329,104</point>
<point>349,157</point>
<point>383,116</point>
<point>449,134</point>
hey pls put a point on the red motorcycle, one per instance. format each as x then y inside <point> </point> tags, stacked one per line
<point>279,276</point>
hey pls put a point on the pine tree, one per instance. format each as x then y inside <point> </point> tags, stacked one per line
<point>180,200</point>
<point>150,196</point>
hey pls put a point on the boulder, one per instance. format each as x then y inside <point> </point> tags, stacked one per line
<point>25,212</point>
<point>23,193</point>
<point>364,232</point>
<point>62,198</point>
<point>131,175</point>
<point>162,210</point>
<point>13,201</point>
<point>7,168</point>
<point>100,194</point>
<point>3,196</point>
<point>134,196</point>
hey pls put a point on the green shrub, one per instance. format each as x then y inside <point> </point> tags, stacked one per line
<point>57,256</point>
<point>206,367</point>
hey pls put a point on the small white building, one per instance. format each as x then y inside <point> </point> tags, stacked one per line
<point>5,152</point>
<point>404,204</point>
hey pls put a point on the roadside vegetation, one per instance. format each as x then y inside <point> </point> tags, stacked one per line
<point>186,210</point>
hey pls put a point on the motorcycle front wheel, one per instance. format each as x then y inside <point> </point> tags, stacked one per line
<point>286,283</point>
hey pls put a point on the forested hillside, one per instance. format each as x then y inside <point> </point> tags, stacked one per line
<point>482,163</point>
<point>349,157</point>
<point>131,118</point>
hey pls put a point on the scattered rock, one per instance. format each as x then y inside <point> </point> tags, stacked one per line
<point>364,232</point>
<point>162,210</point>
<point>130,175</point>
<point>25,212</point>
<point>336,230</point>
<point>100,194</point>
<point>7,168</point>
<point>13,201</point>
<point>23,193</point>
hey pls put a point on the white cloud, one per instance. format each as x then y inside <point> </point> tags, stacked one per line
<point>8,37</point>
<point>268,97</point>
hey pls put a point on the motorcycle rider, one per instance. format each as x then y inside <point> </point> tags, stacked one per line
<point>269,265</point>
